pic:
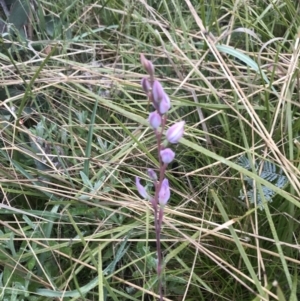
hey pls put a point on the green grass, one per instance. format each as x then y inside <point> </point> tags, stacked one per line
<point>74,134</point>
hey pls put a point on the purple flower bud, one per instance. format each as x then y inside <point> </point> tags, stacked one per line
<point>164,193</point>
<point>146,84</point>
<point>149,67</point>
<point>152,174</point>
<point>164,105</point>
<point>167,155</point>
<point>175,132</point>
<point>157,92</point>
<point>141,189</point>
<point>161,100</point>
<point>154,120</point>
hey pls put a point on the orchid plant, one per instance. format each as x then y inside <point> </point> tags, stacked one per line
<point>158,120</point>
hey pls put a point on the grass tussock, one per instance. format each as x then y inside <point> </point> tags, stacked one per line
<point>74,134</point>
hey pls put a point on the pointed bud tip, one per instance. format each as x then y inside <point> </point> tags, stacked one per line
<point>141,189</point>
<point>152,174</point>
<point>149,67</point>
<point>157,91</point>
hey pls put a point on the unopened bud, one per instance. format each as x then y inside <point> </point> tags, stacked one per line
<point>175,132</point>
<point>141,189</point>
<point>149,67</point>
<point>152,174</point>
<point>167,155</point>
<point>154,120</point>
<point>164,105</point>
<point>164,193</point>
<point>158,92</point>
<point>146,84</point>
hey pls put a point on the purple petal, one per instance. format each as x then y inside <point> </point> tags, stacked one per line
<point>157,92</point>
<point>154,120</point>
<point>175,132</point>
<point>167,155</point>
<point>146,84</point>
<point>164,193</point>
<point>148,65</point>
<point>165,104</point>
<point>141,189</point>
<point>152,174</point>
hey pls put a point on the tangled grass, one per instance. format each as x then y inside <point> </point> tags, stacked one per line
<point>74,134</point>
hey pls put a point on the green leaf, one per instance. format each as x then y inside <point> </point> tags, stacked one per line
<point>86,180</point>
<point>19,13</point>
<point>120,253</point>
<point>55,27</point>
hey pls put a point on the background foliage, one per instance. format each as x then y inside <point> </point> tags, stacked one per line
<point>74,134</point>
